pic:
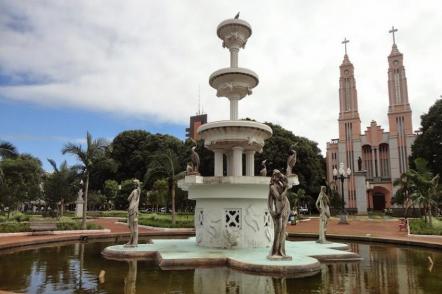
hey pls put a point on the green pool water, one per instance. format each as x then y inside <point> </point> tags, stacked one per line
<point>74,268</point>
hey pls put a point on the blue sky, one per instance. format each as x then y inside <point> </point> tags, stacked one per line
<point>67,67</point>
<point>42,131</point>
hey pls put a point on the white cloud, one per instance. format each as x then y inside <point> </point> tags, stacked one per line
<point>146,58</point>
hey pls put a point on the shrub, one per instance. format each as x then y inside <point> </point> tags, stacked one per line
<point>165,220</point>
<point>420,227</point>
<point>20,217</point>
<point>13,227</point>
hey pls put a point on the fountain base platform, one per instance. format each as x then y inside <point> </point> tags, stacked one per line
<point>184,254</point>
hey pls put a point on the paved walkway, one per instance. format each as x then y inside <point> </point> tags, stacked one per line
<point>106,223</point>
<point>369,230</point>
<point>375,229</point>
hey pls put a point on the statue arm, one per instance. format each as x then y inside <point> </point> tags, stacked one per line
<point>131,196</point>
<point>317,202</point>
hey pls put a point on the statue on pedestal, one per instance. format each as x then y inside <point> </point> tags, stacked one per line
<point>193,167</point>
<point>359,163</point>
<point>323,206</point>
<point>279,208</point>
<point>132,220</point>
<point>291,161</point>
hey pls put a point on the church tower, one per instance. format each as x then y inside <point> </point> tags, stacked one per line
<point>349,121</point>
<point>349,124</point>
<point>399,111</point>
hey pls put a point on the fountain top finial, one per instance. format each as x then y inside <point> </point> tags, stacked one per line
<point>234,32</point>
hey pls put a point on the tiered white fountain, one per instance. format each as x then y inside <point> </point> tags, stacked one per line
<point>231,207</point>
<point>232,223</point>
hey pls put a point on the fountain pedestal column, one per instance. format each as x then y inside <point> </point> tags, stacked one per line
<point>218,172</point>
<point>237,161</point>
<point>250,163</point>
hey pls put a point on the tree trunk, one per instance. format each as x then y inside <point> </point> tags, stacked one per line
<point>86,188</point>
<point>173,203</point>
<point>429,215</point>
<point>62,207</point>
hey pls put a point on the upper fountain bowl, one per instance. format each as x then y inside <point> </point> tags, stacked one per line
<point>234,33</point>
<point>233,82</point>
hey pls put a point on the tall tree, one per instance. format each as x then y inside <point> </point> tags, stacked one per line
<point>428,143</point>
<point>132,151</point>
<point>165,164</point>
<point>60,186</point>
<point>21,180</point>
<point>87,158</point>
<point>310,165</point>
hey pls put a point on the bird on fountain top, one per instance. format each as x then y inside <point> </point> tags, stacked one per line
<point>195,161</point>
<point>237,15</point>
<point>263,171</point>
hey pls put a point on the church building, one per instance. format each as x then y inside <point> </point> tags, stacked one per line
<point>376,157</point>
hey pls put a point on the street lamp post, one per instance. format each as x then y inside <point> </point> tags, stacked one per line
<point>342,174</point>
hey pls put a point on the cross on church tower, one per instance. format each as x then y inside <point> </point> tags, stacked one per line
<point>345,44</point>
<point>392,31</point>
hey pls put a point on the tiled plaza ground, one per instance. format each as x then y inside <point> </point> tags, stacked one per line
<point>360,228</point>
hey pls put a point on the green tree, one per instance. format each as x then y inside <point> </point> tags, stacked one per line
<point>87,158</point>
<point>7,150</point>
<point>132,151</point>
<point>424,187</point>
<point>299,198</point>
<point>110,190</point>
<point>126,188</point>
<point>428,144</point>
<point>310,165</point>
<point>158,194</point>
<point>21,180</point>
<point>165,164</point>
<point>402,195</point>
<point>61,186</point>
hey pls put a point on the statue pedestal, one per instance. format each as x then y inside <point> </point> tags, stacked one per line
<point>230,212</point>
<point>277,257</point>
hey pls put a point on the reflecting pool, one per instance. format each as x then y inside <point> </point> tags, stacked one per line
<point>75,267</point>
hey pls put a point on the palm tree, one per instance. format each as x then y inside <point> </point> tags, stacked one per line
<point>425,187</point>
<point>94,149</point>
<point>7,150</point>
<point>402,195</point>
<point>60,185</point>
<point>166,164</point>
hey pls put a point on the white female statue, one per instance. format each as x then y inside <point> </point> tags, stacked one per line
<point>132,220</point>
<point>323,206</point>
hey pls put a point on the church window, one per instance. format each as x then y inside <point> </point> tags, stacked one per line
<point>397,87</point>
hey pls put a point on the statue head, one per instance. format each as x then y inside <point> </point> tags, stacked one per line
<point>137,182</point>
<point>279,179</point>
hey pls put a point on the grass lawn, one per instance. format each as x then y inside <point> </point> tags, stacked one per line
<point>165,220</point>
<point>420,227</point>
<point>21,223</point>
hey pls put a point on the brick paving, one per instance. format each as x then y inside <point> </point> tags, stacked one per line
<point>382,229</point>
<point>366,229</point>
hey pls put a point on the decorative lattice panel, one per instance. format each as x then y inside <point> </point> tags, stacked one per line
<point>200,217</point>
<point>233,218</point>
<point>267,219</point>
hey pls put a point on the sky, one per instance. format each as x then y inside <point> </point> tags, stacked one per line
<point>67,67</point>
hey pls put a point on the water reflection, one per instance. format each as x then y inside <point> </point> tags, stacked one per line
<point>225,280</point>
<point>130,281</point>
<point>75,268</point>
